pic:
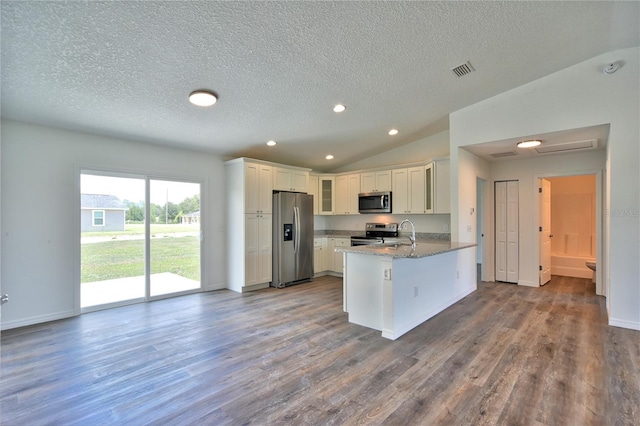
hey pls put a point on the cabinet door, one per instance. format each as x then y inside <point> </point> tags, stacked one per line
<point>265,264</point>
<point>252,249</point>
<point>251,188</point>
<point>429,200</point>
<point>313,190</point>
<point>338,258</point>
<point>399,193</point>
<point>265,188</point>
<point>383,181</point>
<point>442,187</point>
<point>328,257</point>
<point>368,182</point>
<point>299,181</point>
<point>416,199</point>
<point>353,191</point>
<point>281,179</point>
<point>327,195</point>
<point>342,195</point>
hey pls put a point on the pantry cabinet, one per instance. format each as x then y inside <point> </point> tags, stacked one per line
<point>250,185</point>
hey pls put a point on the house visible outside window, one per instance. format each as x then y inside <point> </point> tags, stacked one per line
<point>98,217</point>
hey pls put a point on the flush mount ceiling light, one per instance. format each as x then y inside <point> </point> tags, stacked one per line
<point>271,143</point>
<point>203,98</point>
<point>339,108</point>
<point>528,144</point>
<point>329,157</point>
<point>393,132</point>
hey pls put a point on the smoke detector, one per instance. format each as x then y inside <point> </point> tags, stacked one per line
<point>610,68</point>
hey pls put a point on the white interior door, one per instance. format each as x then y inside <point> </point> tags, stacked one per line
<point>501,230</point>
<point>544,234</point>
<point>507,235</point>
<point>512,232</point>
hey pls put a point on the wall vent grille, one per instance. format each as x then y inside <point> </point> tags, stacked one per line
<point>504,154</point>
<point>463,69</point>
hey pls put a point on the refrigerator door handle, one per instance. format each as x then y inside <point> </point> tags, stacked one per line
<point>296,229</point>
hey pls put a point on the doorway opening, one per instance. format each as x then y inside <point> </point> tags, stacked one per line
<point>139,239</point>
<point>574,216</point>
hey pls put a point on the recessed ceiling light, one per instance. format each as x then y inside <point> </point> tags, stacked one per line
<point>329,157</point>
<point>393,132</point>
<point>528,144</point>
<point>339,108</point>
<point>271,143</point>
<point>203,98</point>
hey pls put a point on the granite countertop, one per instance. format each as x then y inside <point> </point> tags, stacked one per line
<point>423,249</point>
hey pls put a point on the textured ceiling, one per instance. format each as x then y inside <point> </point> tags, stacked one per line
<point>125,69</point>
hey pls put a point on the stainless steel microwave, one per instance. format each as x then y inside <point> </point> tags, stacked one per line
<point>374,202</point>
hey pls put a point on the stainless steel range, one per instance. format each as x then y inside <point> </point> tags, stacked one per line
<point>375,233</point>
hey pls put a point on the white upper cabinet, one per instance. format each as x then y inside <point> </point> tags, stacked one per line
<point>258,188</point>
<point>290,179</point>
<point>326,195</point>
<point>347,190</point>
<point>313,190</point>
<point>438,187</point>
<point>408,191</point>
<point>443,187</point>
<point>379,181</point>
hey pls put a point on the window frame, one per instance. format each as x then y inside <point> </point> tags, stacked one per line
<point>93,217</point>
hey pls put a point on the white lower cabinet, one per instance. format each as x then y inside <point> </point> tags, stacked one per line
<point>338,262</point>
<point>258,249</point>
<point>319,250</point>
<point>326,260</point>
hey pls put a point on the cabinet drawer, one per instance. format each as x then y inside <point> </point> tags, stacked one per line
<point>342,242</point>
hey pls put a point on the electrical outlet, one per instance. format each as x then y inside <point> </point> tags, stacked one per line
<point>468,228</point>
<point>446,227</point>
<point>386,274</point>
<point>458,274</point>
<point>415,291</point>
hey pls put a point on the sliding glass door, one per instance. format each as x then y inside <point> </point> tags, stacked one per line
<point>175,236</point>
<point>140,239</point>
<point>112,240</point>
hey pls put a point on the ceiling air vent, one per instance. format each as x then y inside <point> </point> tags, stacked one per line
<point>568,146</point>
<point>463,69</point>
<point>504,154</point>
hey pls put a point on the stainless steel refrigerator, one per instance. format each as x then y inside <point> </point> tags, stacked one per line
<point>292,238</point>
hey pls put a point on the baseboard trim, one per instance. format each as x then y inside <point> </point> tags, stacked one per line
<point>528,283</point>
<point>632,325</point>
<point>7,325</point>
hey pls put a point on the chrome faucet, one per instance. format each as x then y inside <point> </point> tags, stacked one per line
<point>412,237</point>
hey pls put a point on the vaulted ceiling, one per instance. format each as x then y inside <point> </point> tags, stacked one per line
<point>125,69</point>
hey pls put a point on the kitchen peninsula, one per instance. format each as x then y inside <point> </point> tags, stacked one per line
<point>396,287</point>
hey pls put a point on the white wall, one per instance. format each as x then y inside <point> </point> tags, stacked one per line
<point>579,96</point>
<point>526,172</point>
<point>432,223</point>
<point>40,186</point>
<point>414,152</point>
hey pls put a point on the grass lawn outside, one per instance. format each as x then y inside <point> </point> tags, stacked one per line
<point>125,258</point>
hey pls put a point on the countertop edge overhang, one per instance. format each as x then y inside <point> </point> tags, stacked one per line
<point>406,251</point>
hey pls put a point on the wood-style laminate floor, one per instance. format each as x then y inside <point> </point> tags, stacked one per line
<point>503,355</point>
